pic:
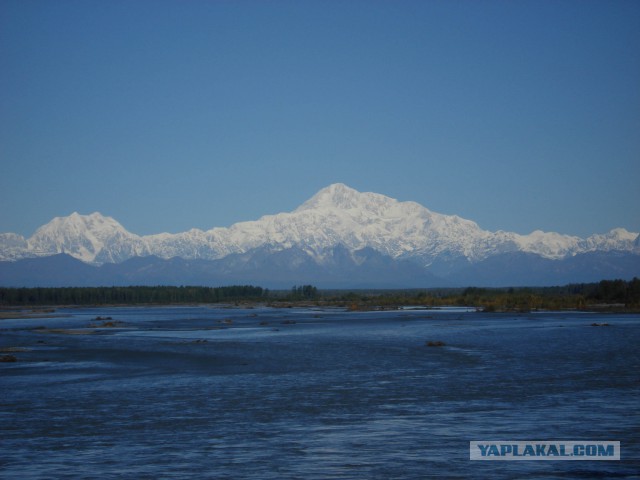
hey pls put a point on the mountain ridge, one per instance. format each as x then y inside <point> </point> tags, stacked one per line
<point>335,217</point>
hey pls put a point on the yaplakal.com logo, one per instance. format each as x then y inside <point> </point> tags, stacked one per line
<point>544,450</point>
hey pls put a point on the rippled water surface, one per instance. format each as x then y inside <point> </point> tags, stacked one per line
<point>198,392</point>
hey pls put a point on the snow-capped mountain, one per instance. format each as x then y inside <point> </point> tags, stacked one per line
<point>90,238</point>
<point>337,217</point>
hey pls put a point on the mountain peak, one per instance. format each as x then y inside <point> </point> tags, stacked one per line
<point>339,196</point>
<point>336,195</point>
<point>94,222</point>
<point>85,237</point>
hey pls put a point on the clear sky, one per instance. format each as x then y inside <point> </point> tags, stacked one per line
<point>168,115</point>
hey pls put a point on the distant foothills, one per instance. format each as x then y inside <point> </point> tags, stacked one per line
<point>339,238</point>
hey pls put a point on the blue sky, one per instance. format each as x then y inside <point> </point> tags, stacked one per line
<point>169,115</point>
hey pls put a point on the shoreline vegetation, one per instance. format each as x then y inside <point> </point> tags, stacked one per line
<point>605,296</point>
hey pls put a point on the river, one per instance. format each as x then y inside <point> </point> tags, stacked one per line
<point>312,393</point>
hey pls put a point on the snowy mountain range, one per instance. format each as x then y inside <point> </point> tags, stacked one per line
<point>337,232</point>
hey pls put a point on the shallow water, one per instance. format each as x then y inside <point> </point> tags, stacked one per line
<point>198,392</point>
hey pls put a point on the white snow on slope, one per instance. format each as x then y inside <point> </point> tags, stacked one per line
<point>336,215</point>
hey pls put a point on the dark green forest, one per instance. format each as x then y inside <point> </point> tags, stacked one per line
<point>128,295</point>
<point>610,295</point>
<point>605,295</point>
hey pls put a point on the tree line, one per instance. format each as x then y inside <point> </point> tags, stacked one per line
<point>609,294</point>
<point>303,292</point>
<point>129,295</point>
